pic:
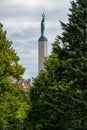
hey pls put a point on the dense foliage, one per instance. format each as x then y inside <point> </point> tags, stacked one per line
<point>58,94</point>
<point>13,102</point>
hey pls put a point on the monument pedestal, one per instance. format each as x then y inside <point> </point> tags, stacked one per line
<point>42,53</point>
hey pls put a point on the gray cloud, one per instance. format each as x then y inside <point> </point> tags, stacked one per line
<point>21,19</point>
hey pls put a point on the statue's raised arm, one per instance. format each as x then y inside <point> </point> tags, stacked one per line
<point>42,25</point>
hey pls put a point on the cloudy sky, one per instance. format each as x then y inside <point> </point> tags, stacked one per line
<point>21,19</point>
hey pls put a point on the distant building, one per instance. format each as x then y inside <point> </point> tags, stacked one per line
<point>25,84</point>
<point>42,46</point>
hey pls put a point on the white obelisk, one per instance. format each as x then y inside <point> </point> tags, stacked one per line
<point>42,46</point>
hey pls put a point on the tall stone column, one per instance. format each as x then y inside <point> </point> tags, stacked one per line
<point>42,46</point>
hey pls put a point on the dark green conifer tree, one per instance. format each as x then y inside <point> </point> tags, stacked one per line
<point>58,95</point>
<point>71,49</point>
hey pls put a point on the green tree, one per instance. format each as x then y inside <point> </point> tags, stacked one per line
<point>9,65</point>
<point>58,95</point>
<point>73,62</point>
<point>40,95</point>
<point>13,104</point>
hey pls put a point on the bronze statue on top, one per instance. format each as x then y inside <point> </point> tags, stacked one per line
<point>42,37</point>
<point>42,24</point>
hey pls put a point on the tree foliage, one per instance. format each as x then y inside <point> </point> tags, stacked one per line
<point>58,94</point>
<point>13,104</point>
<point>9,65</point>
